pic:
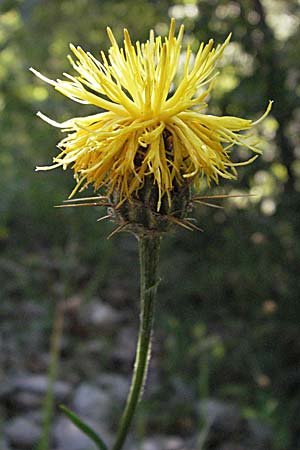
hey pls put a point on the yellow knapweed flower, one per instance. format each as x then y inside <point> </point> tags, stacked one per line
<point>149,127</point>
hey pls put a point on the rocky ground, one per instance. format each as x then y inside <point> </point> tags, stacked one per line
<point>97,351</point>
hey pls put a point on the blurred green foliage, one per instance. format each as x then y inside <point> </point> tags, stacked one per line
<point>230,294</point>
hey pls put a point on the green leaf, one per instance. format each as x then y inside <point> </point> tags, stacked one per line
<point>84,427</point>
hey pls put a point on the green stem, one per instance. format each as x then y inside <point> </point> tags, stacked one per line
<point>48,407</point>
<point>149,246</point>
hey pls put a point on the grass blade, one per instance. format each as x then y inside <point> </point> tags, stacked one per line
<point>84,427</point>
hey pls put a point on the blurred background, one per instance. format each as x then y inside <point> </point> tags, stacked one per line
<point>225,372</point>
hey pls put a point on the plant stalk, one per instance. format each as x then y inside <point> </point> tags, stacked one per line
<point>149,246</point>
<point>48,408</point>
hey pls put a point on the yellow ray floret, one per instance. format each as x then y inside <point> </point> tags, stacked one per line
<point>146,127</point>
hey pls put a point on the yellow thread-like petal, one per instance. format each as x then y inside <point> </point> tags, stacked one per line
<point>147,126</point>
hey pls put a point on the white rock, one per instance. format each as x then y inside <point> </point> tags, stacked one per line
<point>221,417</point>
<point>163,443</point>
<point>116,385</point>
<point>22,432</point>
<point>100,315</point>
<point>38,384</point>
<point>125,346</point>
<point>92,402</point>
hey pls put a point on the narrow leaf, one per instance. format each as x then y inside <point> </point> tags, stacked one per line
<point>84,427</point>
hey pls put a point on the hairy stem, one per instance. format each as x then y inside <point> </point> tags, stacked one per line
<point>149,246</point>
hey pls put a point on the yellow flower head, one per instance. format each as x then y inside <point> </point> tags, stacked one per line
<point>146,126</point>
